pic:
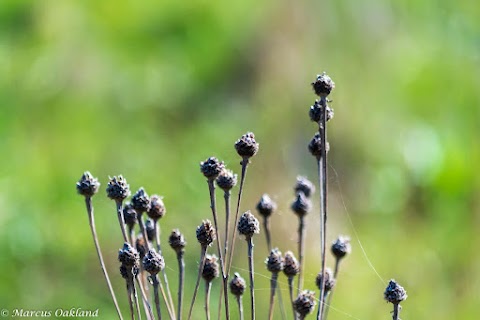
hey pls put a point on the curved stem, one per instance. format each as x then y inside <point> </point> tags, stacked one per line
<point>91,220</point>
<point>157,298</point>
<point>301,251</point>
<point>208,287</point>
<point>121,221</point>
<point>181,281</point>
<point>251,273</point>
<point>200,270</point>
<point>273,287</point>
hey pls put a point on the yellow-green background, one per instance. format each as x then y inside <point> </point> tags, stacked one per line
<point>148,89</point>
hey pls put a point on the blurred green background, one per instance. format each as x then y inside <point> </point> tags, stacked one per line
<point>148,89</point>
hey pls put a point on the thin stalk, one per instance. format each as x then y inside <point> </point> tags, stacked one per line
<point>240,306</point>
<point>330,294</point>
<point>211,188</point>
<point>121,220</point>
<point>273,287</point>
<point>200,270</point>
<point>208,287</point>
<point>91,220</point>
<point>156,226</point>
<point>137,305</point>
<point>251,273</point>
<point>290,290</point>
<point>266,227</point>
<point>301,250</point>
<point>396,311</point>
<point>181,281</point>
<point>130,299</point>
<point>131,233</point>
<point>156,283</point>
<point>146,304</point>
<point>226,196</point>
<point>244,163</point>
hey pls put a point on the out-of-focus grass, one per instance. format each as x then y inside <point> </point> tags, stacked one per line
<point>150,89</point>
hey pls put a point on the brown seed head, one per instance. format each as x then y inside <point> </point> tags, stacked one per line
<point>266,206</point>
<point>153,262</point>
<point>329,281</point>
<point>210,270</point>
<point>206,233</point>
<point>248,225</point>
<point>305,302</point>
<point>323,85</point>
<point>275,261</point>
<point>157,207</point>
<point>341,247</point>
<point>141,201</point>
<point>118,189</point>
<point>315,146</point>
<point>129,215</point>
<point>211,168</point>
<point>302,205</point>
<point>177,241</point>
<point>304,185</point>
<point>226,180</point>
<point>128,255</point>
<point>237,285</point>
<point>395,293</point>
<point>246,146</point>
<point>88,185</point>
<point>291,266</point>
<point>316,112</point>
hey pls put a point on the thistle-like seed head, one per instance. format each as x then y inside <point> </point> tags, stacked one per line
<point>329,281</point>
<point>302,205</point>
<point>248,225</point>
<point>316,112</point>
<point>275,261</point>
<point>237,285</point>
<point>150,228</point>
<point>206,233</point>
<point>266,206</point>
<point>157,207</point>
<point>305,302</point>
<point>177,241</point>
<point>211,168</point>
<point>395,293</point>
<point>341,247</point>
<point>210,270</point>
<point>291,267</point>
<point>118,189</point>
<point>129,215</point>
<point>315,146</point>
<point>153,262</point>
<point>141,246</point>
<point>88,185</point>
<point>323,85</point>
<point>246,146</point>
<point>141,201</point>
<point>128,255</point>
<point>304,185</point>
<point>226,180</point>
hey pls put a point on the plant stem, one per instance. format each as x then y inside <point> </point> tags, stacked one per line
<point>131,232</point>
<point>208,287</point>
<point>290,290</point>
<point>396,311</point>
<point>130,299</point>
<point>244,164</point>
<point>266,227</point>
<point>330,294</point>
<point>181,281</point>
<point>146,304</point>
<point>200,270</point>
<point>251,273</point>
<point>211,188</point>
<point>226,196</point>
<point>121,220</point>
<point>273,287</point>
<point>156,283</point>
<point>91,220</point>
<point>240,306</point>
<point>137,305</point>
<point>301,250</point>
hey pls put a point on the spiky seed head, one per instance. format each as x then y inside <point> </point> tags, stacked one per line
<point>246,146</point>
<point>316,112</point>
<point>210,270</point>
<point>153,262</point>
<point>206,233</point>
<point>226,180</point>
<point>304,185</point>
<point>88,185</point>
<point>177,241</point>
<point>129,215</point>
<point>315,146</point>
<point>291,267</point>
<point>329,281</point>
<point>237,285</point>
<point>323,85</point>
<point>141,246</point>
<point>141,201</point>
<point>275,261</point>
<point>302,205</point>
<point>395,293</point>
<point>266,206</point>
<point>248,225</point>
<point>128,255</point>
<point>118,188</point>
<point>211,168</point>
<point>341,247</point>
<point>150,228</point>
<point>305,302</point>
<point>157,208</point>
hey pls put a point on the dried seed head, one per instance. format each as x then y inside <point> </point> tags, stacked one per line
<point>153,262</point>
<point>248,225</point>
<point>315,146</point>
<point>206,233</point>
<point>88,185</point>
<point>246,146</point>
<point>150,228</point>
<point>177,241</point>
<point>329,281</point>
<point>291,267</point>
<point>210,270</point>
<point>304,185</point>
<point>226,180</point>
<point>141,201</point>
<point>129,215</point>
<point>394,293</point>
<point>275,261</point>
<point>211,168</point>
<point>237,285</point>
<point>341,247</point>
<point>266,206</point>
<point>128,255</point>
<point>141,246</point>
<point>316,112</point>
<point>305,302</point>
<point>129,271</point>
<point>323,85</point>
<point>302,205</point>
<point>157,207</point>
<point>118,189</point>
